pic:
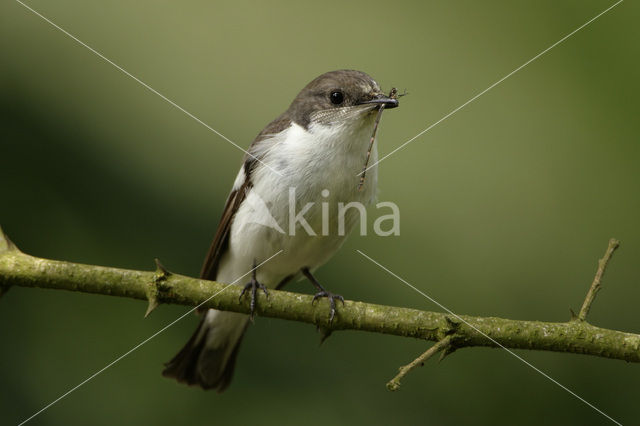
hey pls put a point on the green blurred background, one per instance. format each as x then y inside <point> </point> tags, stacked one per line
<point>506,205</point>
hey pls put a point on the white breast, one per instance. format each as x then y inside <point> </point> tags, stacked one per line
<point>322,158</point>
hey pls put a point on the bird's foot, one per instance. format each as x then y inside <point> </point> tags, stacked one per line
<point>253,285</point>
<point>332,297</point>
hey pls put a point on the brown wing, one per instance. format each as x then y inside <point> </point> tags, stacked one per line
<point>221,240</point>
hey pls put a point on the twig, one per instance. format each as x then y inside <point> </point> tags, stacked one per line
<point>444,344</point>
<point>393,94</point>
<point>371,141</point>
<point>595,285</point>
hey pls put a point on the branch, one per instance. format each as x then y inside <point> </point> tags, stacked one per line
<point>161,286</point>
<point>595,285</point>
<point>444,344</point>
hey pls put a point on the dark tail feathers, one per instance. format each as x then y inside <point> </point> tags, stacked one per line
<point>205,365</point>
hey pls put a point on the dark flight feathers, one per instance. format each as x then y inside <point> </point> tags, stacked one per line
<point>196,364</point>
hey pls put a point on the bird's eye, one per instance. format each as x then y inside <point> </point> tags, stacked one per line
<point>336,97</point>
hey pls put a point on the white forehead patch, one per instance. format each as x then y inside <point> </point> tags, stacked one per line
<point>372,87</point>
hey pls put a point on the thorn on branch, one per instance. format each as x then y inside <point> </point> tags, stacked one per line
<point>444,344</point>
<point>324,333</point>
<point>595,285</point>
<point>573,315</point>
<point>164,273</point>
<point>452,325</point>
<point>446,352</point>
<point>5,243</point>
<point>152,294</point>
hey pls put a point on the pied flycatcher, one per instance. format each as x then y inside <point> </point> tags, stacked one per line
<point>308,159</point>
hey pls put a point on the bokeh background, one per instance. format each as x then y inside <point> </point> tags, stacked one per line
<point>506,206</point>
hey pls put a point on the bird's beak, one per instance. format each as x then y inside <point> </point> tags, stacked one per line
<point>382,99</point>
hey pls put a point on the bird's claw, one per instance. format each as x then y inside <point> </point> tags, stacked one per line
<point>332,301</point>
<point>253,285</point>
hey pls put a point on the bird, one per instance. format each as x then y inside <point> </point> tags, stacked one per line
<point>297,175</point>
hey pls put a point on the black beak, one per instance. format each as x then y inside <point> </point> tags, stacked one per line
<point>383,100</point>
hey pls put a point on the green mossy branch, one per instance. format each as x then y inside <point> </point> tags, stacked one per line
<point>161,286</point>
